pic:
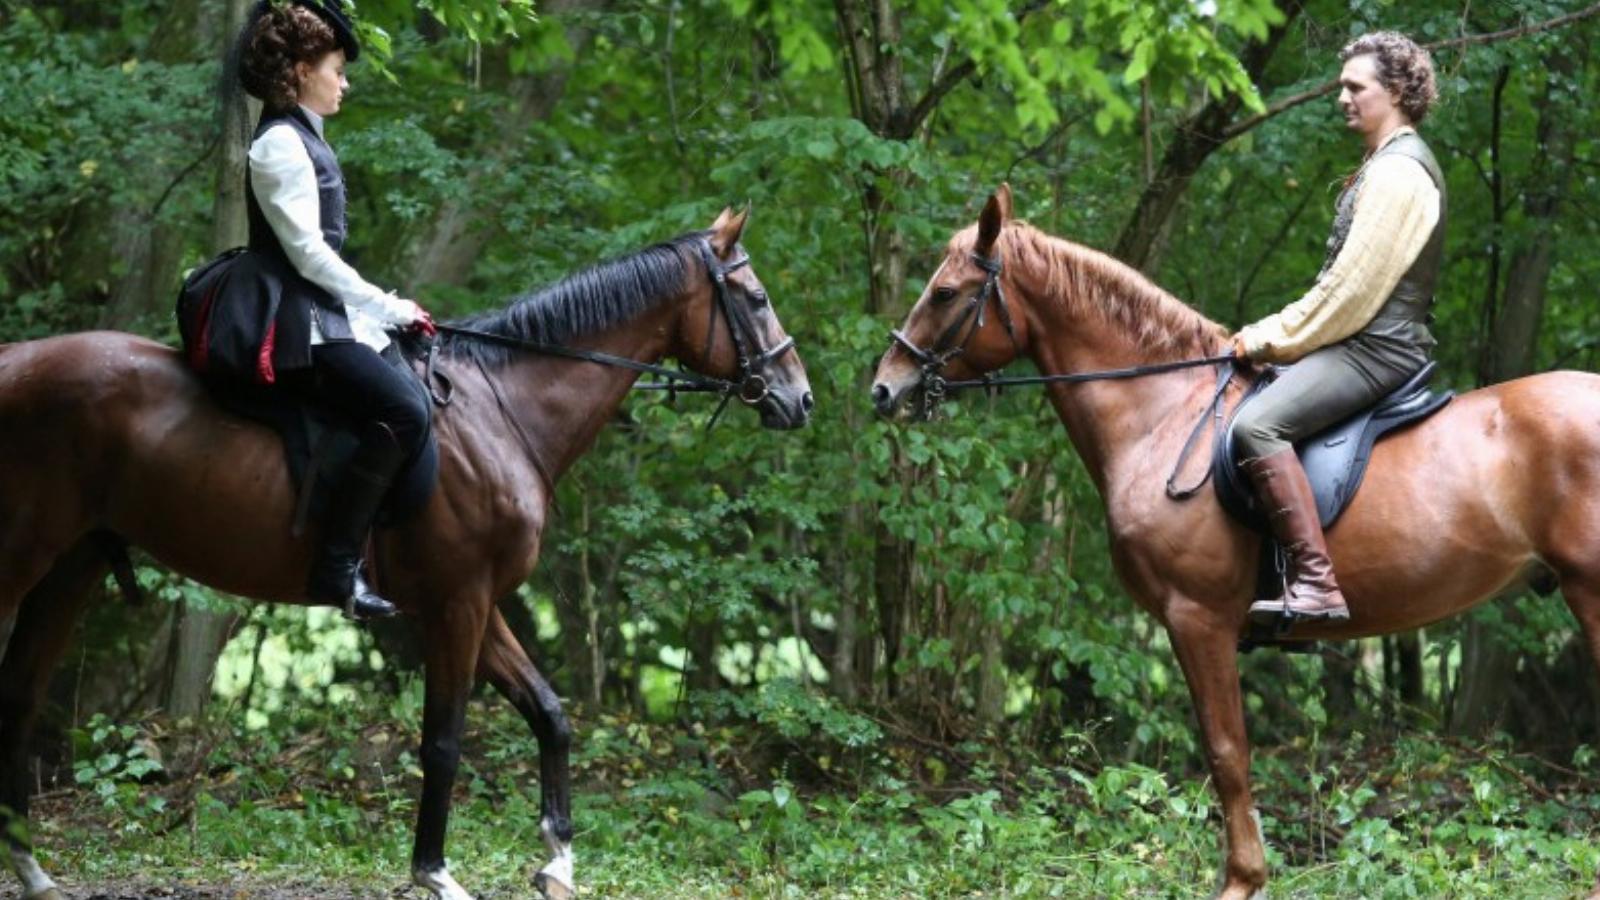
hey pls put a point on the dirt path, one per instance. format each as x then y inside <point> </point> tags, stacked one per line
<point>235,890</point>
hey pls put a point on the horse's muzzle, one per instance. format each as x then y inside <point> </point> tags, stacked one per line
<point>883,399</point>
<point>785,410</point>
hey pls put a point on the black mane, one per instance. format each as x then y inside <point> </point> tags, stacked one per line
<point>599,297</point>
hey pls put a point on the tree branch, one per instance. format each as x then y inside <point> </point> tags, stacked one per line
<point>1471,40</point>
<point>953,76</point>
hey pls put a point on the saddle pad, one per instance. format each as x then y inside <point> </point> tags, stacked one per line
<point>1335,459</point>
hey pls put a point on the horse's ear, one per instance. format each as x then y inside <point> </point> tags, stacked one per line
<point>994,217</point>
<point>726,230</point>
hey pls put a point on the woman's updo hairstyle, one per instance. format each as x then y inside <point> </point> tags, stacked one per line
<point>273,44</point>
<point>1404,69</point>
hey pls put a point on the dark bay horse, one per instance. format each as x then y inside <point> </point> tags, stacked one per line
<point>108,433</point>
<point>1504,481</point>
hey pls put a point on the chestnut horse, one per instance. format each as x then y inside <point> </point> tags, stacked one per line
<point>1503,482</point>
<point>109,433</point>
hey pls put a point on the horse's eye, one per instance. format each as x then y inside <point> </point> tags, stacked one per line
<point>759,299</point>
<point>943,295</point>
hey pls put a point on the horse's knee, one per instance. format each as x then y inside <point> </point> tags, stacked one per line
<point>1230,759</point>
<point>440,753</point>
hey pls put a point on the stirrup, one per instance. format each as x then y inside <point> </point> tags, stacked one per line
<point>364,605</point>
<point>365,608</point>
<point>1280,618</point>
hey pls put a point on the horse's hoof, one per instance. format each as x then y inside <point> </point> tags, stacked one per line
<point>50,894</point>
<point>553,888</point>
<point>440,883</point>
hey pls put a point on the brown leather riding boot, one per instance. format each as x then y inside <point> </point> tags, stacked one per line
<point>1291,508</point>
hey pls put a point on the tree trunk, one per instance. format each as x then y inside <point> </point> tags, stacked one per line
<point>1191,144</point>
<point>869,32</point>
<point>1340,659</point>
<point>1487,663</point>
<point>1408,671</point>
<point>446,252</point>
<point>201,634</point>
<point>843,678</point>
<point>991,674</point>
<point>150,249</point>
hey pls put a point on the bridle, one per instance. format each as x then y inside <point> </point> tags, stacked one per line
<point>946,346</point>
<point>751,384</point>
<point>935,387</point>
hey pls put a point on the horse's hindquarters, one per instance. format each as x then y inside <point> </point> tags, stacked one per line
<point>110,431</point>
<point>1499,484</point>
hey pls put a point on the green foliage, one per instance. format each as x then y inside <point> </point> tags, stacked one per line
<point>112,760</point>
<point>663,811</point>
<point>796,714</point>
<point>82,137</point>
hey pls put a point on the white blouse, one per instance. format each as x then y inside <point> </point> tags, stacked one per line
<point>285,184</point>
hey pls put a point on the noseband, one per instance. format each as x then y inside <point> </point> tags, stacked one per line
<point>947,347</point>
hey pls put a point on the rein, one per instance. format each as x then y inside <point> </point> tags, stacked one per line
<point>935,388</point>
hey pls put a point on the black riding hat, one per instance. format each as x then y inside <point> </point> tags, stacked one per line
<point>330,11</point>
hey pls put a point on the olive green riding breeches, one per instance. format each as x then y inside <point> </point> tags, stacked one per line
<point>1323,388</point>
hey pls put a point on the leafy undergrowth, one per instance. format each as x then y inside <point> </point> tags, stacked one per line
<point>787,795</point>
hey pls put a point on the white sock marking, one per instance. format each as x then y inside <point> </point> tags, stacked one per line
<point>439,881</point>
<point>560,866</point>
<point>34,880</point>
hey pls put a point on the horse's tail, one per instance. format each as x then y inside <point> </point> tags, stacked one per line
<point>116,552</point>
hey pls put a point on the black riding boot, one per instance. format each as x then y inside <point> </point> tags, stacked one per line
<point>336,570</point>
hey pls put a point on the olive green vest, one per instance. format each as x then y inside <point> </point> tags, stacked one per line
<point>1404,316</point>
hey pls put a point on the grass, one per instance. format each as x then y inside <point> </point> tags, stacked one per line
<point>735,809</point>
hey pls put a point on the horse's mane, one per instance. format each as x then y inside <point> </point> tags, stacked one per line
<point>1085,280</point>
<point>599,297</point>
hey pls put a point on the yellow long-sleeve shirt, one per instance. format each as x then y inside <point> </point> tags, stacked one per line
<point>1397,207</point>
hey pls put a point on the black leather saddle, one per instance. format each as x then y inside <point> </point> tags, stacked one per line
<point>1335,459</point>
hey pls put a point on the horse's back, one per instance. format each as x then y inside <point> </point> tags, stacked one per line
<point>88,367</point>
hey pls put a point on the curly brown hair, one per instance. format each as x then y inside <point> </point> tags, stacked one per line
<point>273,44</point>
<point>1404,69</point>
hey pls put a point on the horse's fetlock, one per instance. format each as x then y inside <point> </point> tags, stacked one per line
<point>558,827</point>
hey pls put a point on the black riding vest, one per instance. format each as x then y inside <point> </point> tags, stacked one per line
<point>301,299</point>
<point>1404,316</point>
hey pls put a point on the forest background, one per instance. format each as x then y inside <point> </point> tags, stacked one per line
<point>864,657</point>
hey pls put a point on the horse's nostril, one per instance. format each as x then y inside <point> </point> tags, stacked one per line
<point>807,402</point>
<point>880,396</point>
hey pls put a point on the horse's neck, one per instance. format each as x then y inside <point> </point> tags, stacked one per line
<point>562,404</point>
<point>1112,423</point>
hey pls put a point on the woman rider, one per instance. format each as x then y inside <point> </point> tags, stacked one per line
<point>330,326</point>
<point>1361,330</point>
